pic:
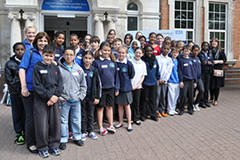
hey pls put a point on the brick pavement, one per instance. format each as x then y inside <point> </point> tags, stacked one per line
<point>212,133</point>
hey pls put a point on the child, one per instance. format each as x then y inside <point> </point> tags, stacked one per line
<point>191,44</point>
<point>134,44</point>
<point>74,91</point>
<point>165,68</point>
<point>138,34</point>
<point>160,40</point>
<point>173,84</point>
<point>124,99</point>
<point>142,40</point>
<point>180,45</point>
<point>152,40</point>
<point>94,42</point>
<point>109,39</point>
<point>92,97</point>
<point>128,39</point>
<point>197,66</point>
<point>116,43</point>
<point>47,83</point>
<point>82,44</point>
<point>167,41</point>
<point>73,40</point>
<point>206,59</point>
<point>87,40</point>
<point>59,38</point>
<point>107,68</point>
<point>140,73</point>
<point>188,80</point>
<point>14,87</point>
<point>149,85</point>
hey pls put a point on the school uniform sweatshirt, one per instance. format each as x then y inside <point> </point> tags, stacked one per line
<point>153,75</point>
<point>186,70</point>
<point>126,72</point>
<point>197,66</point>
<point>74,82</point>
<point>174,74</point>
<point>47,81</point>
<point>108,73</point>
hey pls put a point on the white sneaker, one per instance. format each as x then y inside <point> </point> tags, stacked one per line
<point>83,137</point>
<point>175,112</point>
<point>197,108</point>
<point>194,107</point>
<point>171,113</point>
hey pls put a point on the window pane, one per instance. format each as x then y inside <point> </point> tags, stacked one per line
<point>222,26</point>
<point>211,7</point>
<point>217,34</point>
<point>211,35</point>
<point>222,17</point>
<point>211,25</point>
<point>184,6</point>
<point>177,24</point>
<point>183,24</point>
<point>177,15</point>
<point>190,15</point>
<point>222,36</point>
<point>189,35</point>
<point>211,16</point>
<point>190,5</point>
<point>132,6</point>
<point>217,18</point>
<point>216,25</point>
<point>190,24</point>
<point>184,15</point>
<point>177,4</point>
<point>223,8</point>
<point>217,8</point>
<point>132,23</point>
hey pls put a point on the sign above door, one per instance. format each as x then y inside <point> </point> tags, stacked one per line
<point>66,5</point>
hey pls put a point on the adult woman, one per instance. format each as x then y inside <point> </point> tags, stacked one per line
<point>30,58</point>
<point>30,32</point>
<point>219,59</point>
<point>112,32</point>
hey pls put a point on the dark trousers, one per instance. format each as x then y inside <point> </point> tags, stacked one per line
<point>135,104</point>
<point>87,109</point>
<point>148,97</point>
<point>186,92</point>
<point>200,88</point>
<point>206,82</point>
<point>214,93</point>
<point>161,93</point>
<point>47,120</point>
<point>18,113</point>
<point>29,123</point>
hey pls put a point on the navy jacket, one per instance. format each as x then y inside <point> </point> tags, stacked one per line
<point>153,75</point>
<point>58,53</point>
<point>126,72</point>
<point>186,70</point>
<point>78,58</point>
<point>108,73</point>
<point>197,66</point>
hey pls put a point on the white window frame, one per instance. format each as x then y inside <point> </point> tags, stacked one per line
<point>194,19</point>
<point>131,13</point>
<point>222,31</point>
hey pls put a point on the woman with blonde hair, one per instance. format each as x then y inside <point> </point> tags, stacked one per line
<point>30,33</point>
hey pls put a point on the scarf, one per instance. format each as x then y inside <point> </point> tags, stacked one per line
<point>215,53</point>
<point>150,60</point>
<point>131,50</point>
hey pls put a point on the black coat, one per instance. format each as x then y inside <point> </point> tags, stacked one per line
<point>218,82</point>
<point>12,76</point>
<point>201,56</point>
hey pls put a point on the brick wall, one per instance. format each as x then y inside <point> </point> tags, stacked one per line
<point>164,15</point>
<point>236,31</point>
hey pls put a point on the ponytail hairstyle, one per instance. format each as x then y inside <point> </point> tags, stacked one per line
<point>98,52</point>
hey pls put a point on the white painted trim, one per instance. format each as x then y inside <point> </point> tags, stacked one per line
<point>89,24</point>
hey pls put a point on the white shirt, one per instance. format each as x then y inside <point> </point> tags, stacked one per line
<point>102,59</point>
<point>124,61</point>
<point>77,50</point>
<point>140,70</point>
<point>165,67</point>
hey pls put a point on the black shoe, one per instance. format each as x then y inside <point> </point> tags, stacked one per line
<point>131,122</point>
<point>62,146</point>
<point>32,151</point>
<point>155,119</point>
<point>180,113</point>
<point>207,104</point>
<point>137,122</point>
<point>190,112</point>
<point>143,119</point>
<point>78,142</point>
<point>203,105</point>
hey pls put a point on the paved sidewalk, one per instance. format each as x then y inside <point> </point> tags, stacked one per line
<point>212,133</point>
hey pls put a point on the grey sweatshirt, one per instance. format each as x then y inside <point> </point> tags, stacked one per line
<point>74,82</point>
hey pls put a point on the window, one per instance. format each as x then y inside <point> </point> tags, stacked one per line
<point>184,18</point>
<point>132,20</point>
<point>217,22</point>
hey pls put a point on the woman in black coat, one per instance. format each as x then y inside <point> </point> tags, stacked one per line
<point>219,58</point>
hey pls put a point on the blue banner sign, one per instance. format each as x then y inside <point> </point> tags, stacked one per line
<point>66,5</point>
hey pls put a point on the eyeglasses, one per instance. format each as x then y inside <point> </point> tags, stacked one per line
<point>68,55</point>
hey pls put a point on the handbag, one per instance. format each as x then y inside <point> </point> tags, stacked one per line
<point>218,73</point>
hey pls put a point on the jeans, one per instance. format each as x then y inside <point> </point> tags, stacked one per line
<point>18,113</point>
<point>75,114</point>
<point>161,93</point>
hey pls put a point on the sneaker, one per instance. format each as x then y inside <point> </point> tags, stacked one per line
<point>103,131</point>
<point>93,135</point>
<point>55,152</point>
<point>44,154</point>
<point>171,113</point>
<point>175,112</point>
<point>197,108</point>
<point>159,115</point>
<point>19,139</point>
<point>83,137</point>
<point>194,107</point>
<point>111,129</point>
<point>164,114</point>
<point>78,142</point>
<point>70,137</point>
<point>62,146</point>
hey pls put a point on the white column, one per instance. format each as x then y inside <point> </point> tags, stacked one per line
<point>15,29</point>
<point>29,19</point>
<point>111,23</point>
<point>99,31</point>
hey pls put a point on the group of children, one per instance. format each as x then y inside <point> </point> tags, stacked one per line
<point>142,79</point>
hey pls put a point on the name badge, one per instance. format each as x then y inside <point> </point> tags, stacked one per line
<point>43,71</point>
<point>79,57</point>
<point>194,60</point>
<point>155,51</point>
<point>208,57</point>
<point>118,69</point>
<point>104,66</point>
<point>57,55</point>
<point>85,74</point>
<point>154,66</point>
<point>186,64</point>
<point>75,73</point>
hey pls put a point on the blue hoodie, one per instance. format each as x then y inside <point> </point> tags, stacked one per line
<point>131,50</point>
